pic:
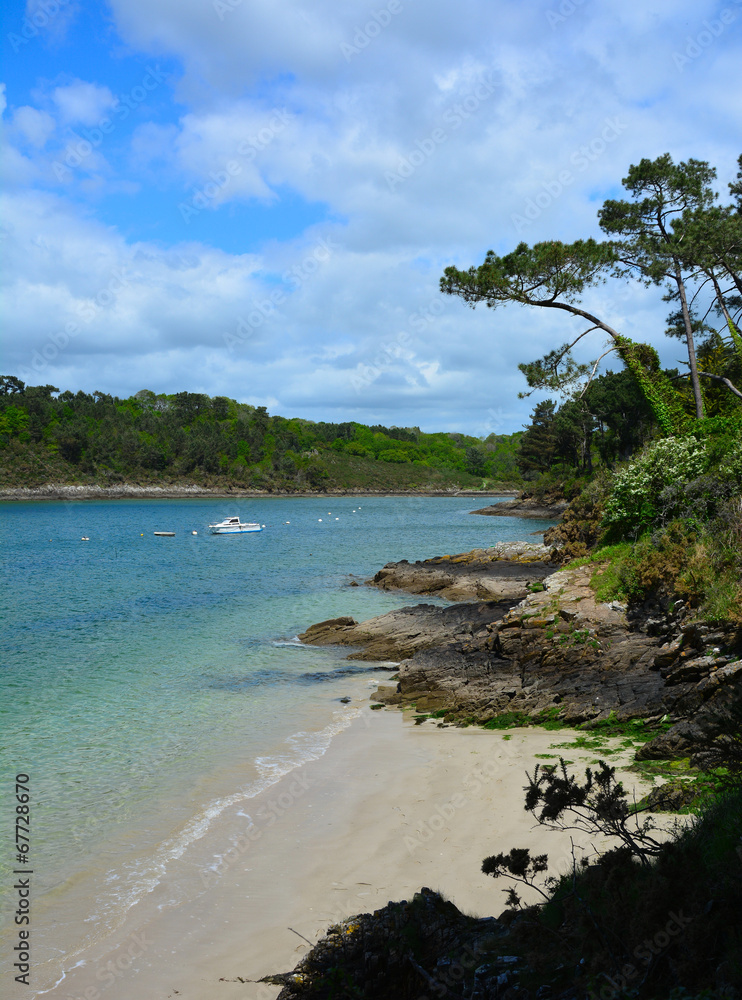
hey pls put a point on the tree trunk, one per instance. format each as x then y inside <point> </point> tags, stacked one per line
<point>695,380</point>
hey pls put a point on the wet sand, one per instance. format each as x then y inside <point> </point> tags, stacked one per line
<point>389,808</point>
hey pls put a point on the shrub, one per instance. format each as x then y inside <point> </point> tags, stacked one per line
<point>635,503</point>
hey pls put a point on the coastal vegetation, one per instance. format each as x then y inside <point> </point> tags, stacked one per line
<point>638,920</point>
<point>77,438</point>
<point>671,233</point>
<point>650,461</point>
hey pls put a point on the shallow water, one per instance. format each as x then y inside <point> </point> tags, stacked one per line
<point>149,684</point>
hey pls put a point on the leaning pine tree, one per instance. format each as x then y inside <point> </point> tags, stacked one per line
<point>670,233</point>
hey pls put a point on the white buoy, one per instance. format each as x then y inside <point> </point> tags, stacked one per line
<point>320,520</point>
<point>194,532</point>
<point>337,518</point>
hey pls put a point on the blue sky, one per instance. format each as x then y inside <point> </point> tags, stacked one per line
<point>256,198</point>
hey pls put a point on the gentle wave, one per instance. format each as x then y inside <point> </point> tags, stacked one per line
<point>134,885</point>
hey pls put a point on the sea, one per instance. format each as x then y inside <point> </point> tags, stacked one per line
<point>152,684</point>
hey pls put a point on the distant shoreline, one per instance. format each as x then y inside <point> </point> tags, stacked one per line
<point>126,491</point>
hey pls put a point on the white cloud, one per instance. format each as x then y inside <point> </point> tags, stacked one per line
<point>35,126</point>
<point>82,103</point>
<point>448,132</point>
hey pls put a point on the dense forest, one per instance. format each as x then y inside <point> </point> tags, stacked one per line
<point>52,436</point>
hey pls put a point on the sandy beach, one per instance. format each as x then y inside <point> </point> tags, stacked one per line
<point>390,807</point>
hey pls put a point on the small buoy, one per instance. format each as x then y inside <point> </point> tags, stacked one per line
<point>288,522</point>
<point>262,525</point>
<point>320,520</point>
<point>337,518</point>
<point>194,532</point>
<point>141,534</point>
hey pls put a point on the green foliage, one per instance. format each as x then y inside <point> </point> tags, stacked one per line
<point>634,503</point>
<point>539,275</point>
<point>640,930</point>
<point>538,444</point>
<point>81,437</point>
<point>702,565</point>
<point>670,232</point>
<point>548,718</point>
<point>508,720</point>
<point>13,421</point>
<point>644,364</point>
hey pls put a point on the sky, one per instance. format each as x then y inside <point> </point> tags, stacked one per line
<point>257,198</point>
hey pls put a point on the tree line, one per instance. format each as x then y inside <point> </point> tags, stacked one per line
<point>167,436</point>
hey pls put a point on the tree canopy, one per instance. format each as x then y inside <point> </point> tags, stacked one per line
<point>670,232</point>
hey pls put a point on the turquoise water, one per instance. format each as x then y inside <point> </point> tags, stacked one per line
<point>147,682</point>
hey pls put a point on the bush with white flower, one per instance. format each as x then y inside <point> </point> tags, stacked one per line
<point>634,503</point>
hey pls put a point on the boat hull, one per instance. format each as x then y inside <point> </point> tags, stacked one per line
<point>236,531</point>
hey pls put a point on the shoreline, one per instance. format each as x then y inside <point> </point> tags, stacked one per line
<point>389,808</point>
<point>131,492</point>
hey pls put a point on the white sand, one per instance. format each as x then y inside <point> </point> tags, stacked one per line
<point>390,807</point>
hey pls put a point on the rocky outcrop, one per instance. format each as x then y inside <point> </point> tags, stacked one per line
<point>402,633</point>
<point>558,651</point>
<point>525,507</point>
<point>502,572</point>
<point>406,950</point>
<point>563,649</point>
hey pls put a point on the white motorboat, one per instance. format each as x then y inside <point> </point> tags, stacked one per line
<point>233,526</point>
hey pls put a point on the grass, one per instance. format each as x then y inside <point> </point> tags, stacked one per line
<point>439,713</point>
<point>548,718</point>
<point>700,565</point>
